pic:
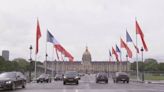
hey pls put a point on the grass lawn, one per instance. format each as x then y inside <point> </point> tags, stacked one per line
<point>151,77</point>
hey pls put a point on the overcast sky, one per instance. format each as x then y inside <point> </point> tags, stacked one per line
<point>98,24</point>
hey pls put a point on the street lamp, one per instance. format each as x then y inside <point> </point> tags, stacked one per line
<point>46,63</point>
<point>126,62</point>
<point>142,65</point>
<point>30,48</point>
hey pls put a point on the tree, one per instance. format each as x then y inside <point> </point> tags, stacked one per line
<point>22,64</point>
<point>150,65</point>
<point>140,65</point>
<point>161,66</point>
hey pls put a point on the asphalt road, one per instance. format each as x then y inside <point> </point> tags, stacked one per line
<point>87,84</point>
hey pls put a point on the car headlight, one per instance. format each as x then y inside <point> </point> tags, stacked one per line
<point>8,82</point>
<point>65,77</point>
<point>76,77</point>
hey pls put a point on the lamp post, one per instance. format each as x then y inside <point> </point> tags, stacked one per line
<point>126,62</point>
<point>142,65</point>
<point>46,63</point>
<point>30,48</point>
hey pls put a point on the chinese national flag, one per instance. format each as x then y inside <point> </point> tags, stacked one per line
<point>124,45</point>
<point>38,35</point>
<point>139,31</point>
<point>116,55</point>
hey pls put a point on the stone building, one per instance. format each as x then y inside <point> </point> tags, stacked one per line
<point>86,65</point>
<point>5,54</point>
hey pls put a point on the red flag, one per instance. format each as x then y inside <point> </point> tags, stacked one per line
<point>114,52</point>
<point>38,35</point>
<point>124,45</point>
<point>63,51</point>
<point>67,54</point>
<point>139,31</point>
<point>136,48</point>
<point>144,44</point>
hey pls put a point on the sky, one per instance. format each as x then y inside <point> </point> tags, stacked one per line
<point>97,24</point>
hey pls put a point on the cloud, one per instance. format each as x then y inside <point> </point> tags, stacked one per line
<point>77,23</point>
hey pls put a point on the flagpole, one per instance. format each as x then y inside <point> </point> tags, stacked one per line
<point>52,61</point>
<point>62,69</point>
<point>137,55</point>
<point>109,60</point>
<point>120,61</point>
<point>57,61</point>
<point>35,64</point>
<point>46,59</point>
<point>127,55</point>
<point>126,62</point>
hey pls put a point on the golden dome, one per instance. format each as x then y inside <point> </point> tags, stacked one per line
<point>86,55</point>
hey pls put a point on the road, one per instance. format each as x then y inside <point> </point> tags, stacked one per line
<point>87,84</point>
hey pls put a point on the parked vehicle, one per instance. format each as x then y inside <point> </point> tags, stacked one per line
<point>44,78</point>
<point>71,77</point>
<point>101,77</point>
<point>58,77</point>
<point>12,80</point>
<point>81,74</point>
<point>121,76</point>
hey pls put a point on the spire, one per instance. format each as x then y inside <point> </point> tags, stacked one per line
<point>86,49</point>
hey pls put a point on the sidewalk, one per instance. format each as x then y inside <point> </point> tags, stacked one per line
<point>149,81</point>
<point>155,82</point>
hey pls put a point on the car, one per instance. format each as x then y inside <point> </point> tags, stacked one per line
<point>71,77</point>
<point>12,80</point>
<point>44,78</point>
<point>58,77</point>
<point>81,74</point>
<point>121,76</point>
<point>101,77</point>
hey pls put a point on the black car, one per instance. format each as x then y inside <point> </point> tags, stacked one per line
<point>101,77</point>
<point>12,80</point>
<point>71,77</point>
<point>121,76</point>
<point>58,77</point>
<point>43,78</point>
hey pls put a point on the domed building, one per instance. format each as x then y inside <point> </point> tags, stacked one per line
<point>86,60</point>
<point>85,66</point>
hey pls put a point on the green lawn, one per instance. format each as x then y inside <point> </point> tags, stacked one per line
<point>151,77</point>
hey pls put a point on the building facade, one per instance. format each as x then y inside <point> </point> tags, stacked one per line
<point>5,54</point>
<point>86,65</point>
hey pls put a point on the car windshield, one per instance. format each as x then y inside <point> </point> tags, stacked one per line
<point>102,74</point>
<point>71,73</point>
<point>43,75</point>
<point>58,75</point>
<point>8,75</point>
<point>121,73</point>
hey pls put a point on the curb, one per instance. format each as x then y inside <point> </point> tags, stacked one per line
<point>154,82</point>
<point>148,82</point>
<point>137,81</point>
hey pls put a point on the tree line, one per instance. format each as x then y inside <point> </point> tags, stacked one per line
<point>22,65</point>
<point>18,64</point>
<point>149,65</point>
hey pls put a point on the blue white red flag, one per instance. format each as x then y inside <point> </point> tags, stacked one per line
<point>128,38</point>
<point>117,49</point>
<point>50,37</point>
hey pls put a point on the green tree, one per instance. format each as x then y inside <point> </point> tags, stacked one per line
<point>140,66</point>
<point>151,65</point>
<point>161,66</point>
<point>22,64</point>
